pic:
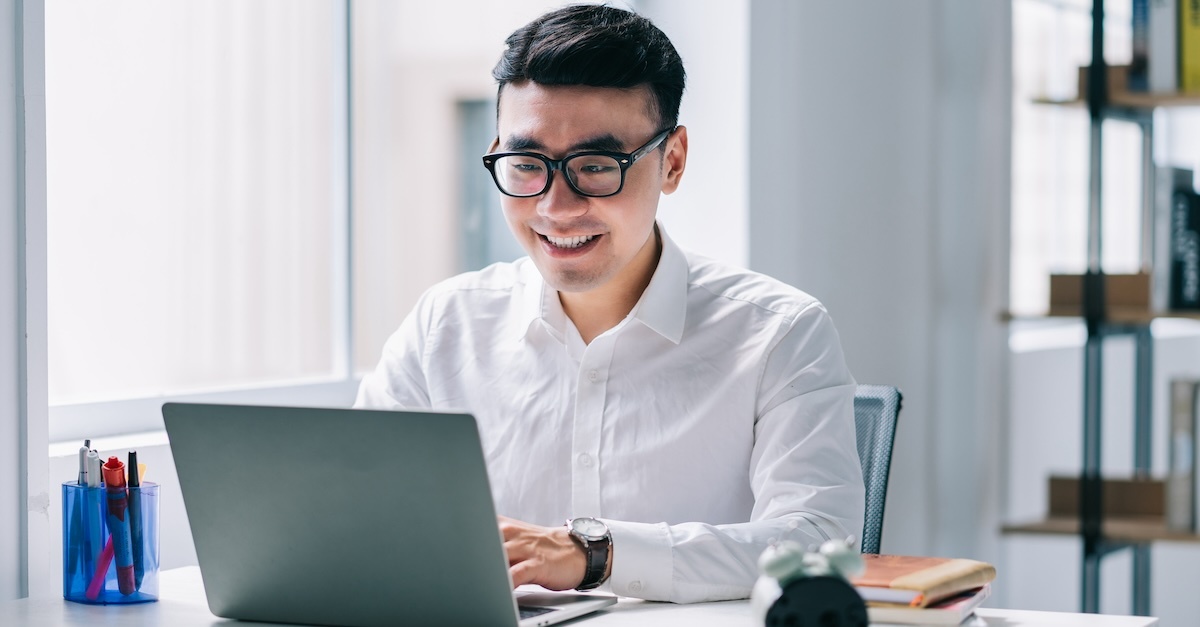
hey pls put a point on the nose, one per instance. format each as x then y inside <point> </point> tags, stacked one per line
<point>560,201</point>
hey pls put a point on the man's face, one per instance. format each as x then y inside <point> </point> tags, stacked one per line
<point>580,243</point>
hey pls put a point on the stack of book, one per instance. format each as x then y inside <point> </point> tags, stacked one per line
<point>1166,46</point>
<point>912,590</point>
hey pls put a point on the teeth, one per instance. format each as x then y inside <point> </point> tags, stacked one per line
<point>570,242</point>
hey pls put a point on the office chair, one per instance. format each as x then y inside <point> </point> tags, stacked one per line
<point>876,409</point>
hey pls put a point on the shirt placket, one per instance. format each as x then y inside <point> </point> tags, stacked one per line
<point>591,390</point>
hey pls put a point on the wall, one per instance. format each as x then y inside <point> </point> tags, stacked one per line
<point>11,536</point>
<point>879,144</point>
<point>709,212</point>
<point>24,515</point>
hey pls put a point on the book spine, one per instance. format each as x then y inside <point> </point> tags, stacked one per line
<point>1138,78</point>
<point>1168,179</point>
<point>1181,453</point>
<point>1189,45</point>
<point>1185,249</point>
<point>1163,49</point>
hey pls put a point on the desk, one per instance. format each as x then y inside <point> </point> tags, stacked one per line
<point>181,604</point>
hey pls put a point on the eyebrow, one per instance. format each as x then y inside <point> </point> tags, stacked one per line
<point>607,142</point>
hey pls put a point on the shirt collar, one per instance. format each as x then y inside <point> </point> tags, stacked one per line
<point>662,307</point>
<point>539,303</point>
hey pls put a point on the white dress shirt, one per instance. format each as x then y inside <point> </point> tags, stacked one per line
<point>717,417</point>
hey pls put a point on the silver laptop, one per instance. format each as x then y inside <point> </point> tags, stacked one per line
<point>348,517</point>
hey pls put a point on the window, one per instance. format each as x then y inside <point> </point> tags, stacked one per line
<point>202,158</point>
<point>193,176</point>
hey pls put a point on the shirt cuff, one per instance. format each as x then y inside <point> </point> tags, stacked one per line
<point>642,561</point>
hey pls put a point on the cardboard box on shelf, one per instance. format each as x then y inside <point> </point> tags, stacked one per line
<point>1129,498</point>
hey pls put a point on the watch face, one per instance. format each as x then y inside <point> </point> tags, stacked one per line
<point>589,527</point>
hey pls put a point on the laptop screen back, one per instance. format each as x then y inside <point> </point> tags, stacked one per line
<point>339,516</point>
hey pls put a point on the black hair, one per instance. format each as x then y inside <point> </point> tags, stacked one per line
<point>597,46</point>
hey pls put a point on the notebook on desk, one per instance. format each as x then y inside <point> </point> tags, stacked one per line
<point>348,517</point>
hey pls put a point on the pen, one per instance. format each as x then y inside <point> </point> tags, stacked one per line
<point>77,513</point>
<point>83,469</point>
<point>135,519</point>
<point>93,508</point>
<point>118,523</point>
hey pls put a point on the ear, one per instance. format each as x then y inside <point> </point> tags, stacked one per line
<point>493,146</point>
<point>675,159</point>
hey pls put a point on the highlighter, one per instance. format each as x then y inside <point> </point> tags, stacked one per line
<point>118,524</point>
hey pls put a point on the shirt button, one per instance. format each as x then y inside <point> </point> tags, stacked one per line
<point>593,376</point>
<point>635,586</point>
<point>585,459</point>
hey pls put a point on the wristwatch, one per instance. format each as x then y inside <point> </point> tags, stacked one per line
<point>594,537</point>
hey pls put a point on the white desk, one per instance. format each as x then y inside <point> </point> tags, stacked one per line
<point>181,604</point>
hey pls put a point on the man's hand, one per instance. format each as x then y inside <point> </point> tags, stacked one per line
<point>546,556</point>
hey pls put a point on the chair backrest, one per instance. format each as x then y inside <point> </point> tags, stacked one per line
<point>876,409</point>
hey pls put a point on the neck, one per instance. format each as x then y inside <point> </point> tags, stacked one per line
<point>595,311</point>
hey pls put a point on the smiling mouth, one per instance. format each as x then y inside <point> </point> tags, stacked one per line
<point>569,242</point>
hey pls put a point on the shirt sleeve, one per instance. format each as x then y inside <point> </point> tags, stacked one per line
<point>804,472</point>
<point>399,381</point>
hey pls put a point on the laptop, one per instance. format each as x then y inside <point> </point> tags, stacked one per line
<point>349,517</point>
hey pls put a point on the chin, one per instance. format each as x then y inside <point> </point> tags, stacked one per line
<point>573,281</point>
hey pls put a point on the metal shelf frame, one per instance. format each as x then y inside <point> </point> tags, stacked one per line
<point>1095,545</point>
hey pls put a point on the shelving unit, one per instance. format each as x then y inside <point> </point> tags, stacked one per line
<point>1101,536</point>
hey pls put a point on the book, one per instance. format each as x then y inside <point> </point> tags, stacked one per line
<point>1185,249</point>
<point>919,581</point>
<point>1163,49</point>
<point>951,611</point>
<point>1138,78</point>
<point>1154,65</point>
<point>1181,455</point>
<point>1167,180</point>
<point>1189,45</point>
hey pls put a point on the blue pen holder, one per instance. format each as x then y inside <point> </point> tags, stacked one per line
<point>89,571</point>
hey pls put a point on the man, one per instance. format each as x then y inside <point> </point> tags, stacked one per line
<point>679,413</point>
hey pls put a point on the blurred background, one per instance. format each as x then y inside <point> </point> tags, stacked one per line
<point>243,200</point>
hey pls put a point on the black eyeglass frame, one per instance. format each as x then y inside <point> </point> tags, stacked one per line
<point>625,160</point>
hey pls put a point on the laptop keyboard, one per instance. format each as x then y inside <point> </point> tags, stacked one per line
<point>527,611</point>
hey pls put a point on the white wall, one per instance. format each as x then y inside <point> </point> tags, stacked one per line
<point>11,537</point>
<point>24,503</point>
<point>24,520</point>
<point>709,212</point>
<point>879,144</point>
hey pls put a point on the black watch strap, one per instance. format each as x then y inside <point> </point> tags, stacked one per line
<point>597,563</point>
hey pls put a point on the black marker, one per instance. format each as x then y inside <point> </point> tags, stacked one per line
<point>135,518</point>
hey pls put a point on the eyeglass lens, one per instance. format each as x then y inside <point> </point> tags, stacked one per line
<point>594,175</point>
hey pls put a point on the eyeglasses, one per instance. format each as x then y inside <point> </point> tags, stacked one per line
<point>594,173</point>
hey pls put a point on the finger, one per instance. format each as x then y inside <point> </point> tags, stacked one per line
<point>522,573</point>
<point>516,552</point>
<point>509,529</point>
